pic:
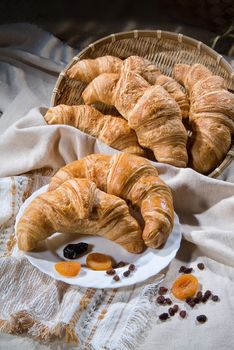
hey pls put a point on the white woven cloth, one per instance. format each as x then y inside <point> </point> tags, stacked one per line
<point>35,305</point>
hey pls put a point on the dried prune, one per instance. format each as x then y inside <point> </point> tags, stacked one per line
<point>72,251</point>
<point>168,301</point>
<point>207,294</point>
<point>132,267</point>
<point>215,298</point>
<point>202,318</point>
<point>160,299</point>
<point>116,278</point>
<point>162,290</point>
<point>183,313</point>
<point>182,269</point>
<point>201,266</point>
<point>126,273</point>
<point>171,311</point>
<point>164,316</point>
<point>175,308</point>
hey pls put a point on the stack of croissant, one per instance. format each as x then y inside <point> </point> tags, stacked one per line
<point>155,111</point>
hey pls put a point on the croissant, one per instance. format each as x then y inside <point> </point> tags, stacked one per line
<point>88,69</point>
<point>78,206</point>
<point>153,75</point>
<point>150,111</point>
<point>211,115</point>
<point>132,178</point>
<point>111,130</point>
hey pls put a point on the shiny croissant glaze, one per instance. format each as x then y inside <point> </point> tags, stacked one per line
<point>133,179</point>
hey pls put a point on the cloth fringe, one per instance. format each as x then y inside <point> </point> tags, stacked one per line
<point>140,321</point>
<point>23,322</point>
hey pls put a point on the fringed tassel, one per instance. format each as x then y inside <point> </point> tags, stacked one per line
<point>139,322</point>
<point>23,322</point>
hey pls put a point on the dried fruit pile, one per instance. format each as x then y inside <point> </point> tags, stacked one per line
<point>185,288</point>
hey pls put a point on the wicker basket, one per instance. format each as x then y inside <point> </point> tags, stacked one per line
<point>165,49</point>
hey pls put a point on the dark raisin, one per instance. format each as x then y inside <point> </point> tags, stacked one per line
<point>215,298</point>
<point>204,299</point>
<point>168,301</point>
<point>199,295</point>
<point>120,264</point>
<point>187,300</point>
<point>132,267</point>
<point>72,251</point>
<point>164,316</point>
<point>162,290</point>
<point>160,299</point>
<point>183,313</point>
<point>192,304</point>
<point>201,266</point>
<point>175,308</point>
<point>110,272</point>
<point>196,300</point>
<point>171,311</point>
<point>126,273</point>
<point>182,268</point>
<point>202,318</point>
<point>188,270</point>
<point>116,278</point>
<point>207,294</point>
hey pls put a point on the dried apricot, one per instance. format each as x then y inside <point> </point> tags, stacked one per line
<point>68,268</point>
<point>98,261</point>
<point>185,286</point>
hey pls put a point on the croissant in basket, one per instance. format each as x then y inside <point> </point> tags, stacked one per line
<point>78,206</point>
<point>150,111</point>
<point>88,69</point>
<point>211,115</point>
<point>153,75</point>
<point>132,178</point>
<point>111,130</point>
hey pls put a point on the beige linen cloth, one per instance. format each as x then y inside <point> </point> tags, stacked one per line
<point>32,304</point>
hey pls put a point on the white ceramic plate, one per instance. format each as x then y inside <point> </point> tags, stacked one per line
<point>148,264</point>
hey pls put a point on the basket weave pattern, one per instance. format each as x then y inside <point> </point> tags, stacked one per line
<point>165,49</point>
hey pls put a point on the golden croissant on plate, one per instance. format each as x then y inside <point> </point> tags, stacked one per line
<point>78,206</point>
<point>113,131</point>
<point>211,115</point>
<point>150,111</point>
<point>132,178</point>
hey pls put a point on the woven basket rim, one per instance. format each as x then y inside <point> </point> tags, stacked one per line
<point>159,34</point>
